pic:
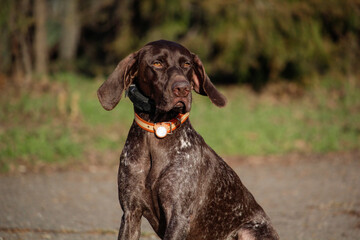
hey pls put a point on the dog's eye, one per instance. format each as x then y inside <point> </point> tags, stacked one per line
<point>157,64</point>
<point>186,65</point>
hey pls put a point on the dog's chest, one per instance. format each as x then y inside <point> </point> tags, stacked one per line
<point>177,156</point>
<point>182,146</point>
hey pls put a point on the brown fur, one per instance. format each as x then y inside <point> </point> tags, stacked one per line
<point>183,188</point>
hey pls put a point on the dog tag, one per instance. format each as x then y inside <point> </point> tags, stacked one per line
<point>160,130</point>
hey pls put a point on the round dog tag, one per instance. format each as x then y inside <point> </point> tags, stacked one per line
<point>160,131</point>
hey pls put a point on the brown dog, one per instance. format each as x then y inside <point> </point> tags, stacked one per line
<point>167,172</point>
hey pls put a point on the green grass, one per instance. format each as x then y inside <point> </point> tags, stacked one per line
<point>325,119</point>
<point>40,144</point>
<point>35,129</point>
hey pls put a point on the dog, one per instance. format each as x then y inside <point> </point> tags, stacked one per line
<point>167,173</point>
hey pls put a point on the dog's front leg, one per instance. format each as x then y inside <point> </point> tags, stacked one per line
<point>133,170</point>
<point>130,225</point>
<point>129,198</point>
<point>178,228</point>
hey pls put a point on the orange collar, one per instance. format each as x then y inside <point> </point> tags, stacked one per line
<point>162,129</point>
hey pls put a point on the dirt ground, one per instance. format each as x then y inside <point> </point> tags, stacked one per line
<point>307,197</point>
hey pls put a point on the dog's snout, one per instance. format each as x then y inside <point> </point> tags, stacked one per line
<point>181,88</point>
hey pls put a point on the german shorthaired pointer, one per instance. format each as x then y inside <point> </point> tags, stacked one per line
<point>167,172</point>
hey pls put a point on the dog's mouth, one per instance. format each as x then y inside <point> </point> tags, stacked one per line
<point>180,106</point>
<point>177,105</point>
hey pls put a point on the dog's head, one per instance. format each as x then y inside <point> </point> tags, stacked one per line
<point>163,71</point>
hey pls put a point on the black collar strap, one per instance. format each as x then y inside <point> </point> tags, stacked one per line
<point>140,101</point>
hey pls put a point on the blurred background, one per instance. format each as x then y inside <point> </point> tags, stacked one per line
<point>290,70</point>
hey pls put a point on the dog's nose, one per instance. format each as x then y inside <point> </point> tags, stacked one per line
<point>181,88</point>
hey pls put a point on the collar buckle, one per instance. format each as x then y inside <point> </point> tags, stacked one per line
<point>162,129</point>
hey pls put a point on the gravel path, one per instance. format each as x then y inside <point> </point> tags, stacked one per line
<point>310,198</point>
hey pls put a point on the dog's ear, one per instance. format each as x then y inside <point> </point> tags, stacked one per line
<point>202,84</point>
<point>109,93</point>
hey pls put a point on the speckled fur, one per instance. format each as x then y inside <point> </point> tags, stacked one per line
<point>184,189</point>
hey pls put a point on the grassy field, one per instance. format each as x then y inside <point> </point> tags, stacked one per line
<point>63,122</point>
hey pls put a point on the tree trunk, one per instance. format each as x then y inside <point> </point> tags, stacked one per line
<point>70,33</point>
<point>18,34</point>
<point>41,50</point>
<point>26,59</point>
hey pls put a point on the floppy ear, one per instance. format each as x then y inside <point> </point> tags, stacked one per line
<point>109,93</point>
<point>203,85</point>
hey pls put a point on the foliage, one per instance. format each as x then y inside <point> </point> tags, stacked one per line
<point>251,41</point>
